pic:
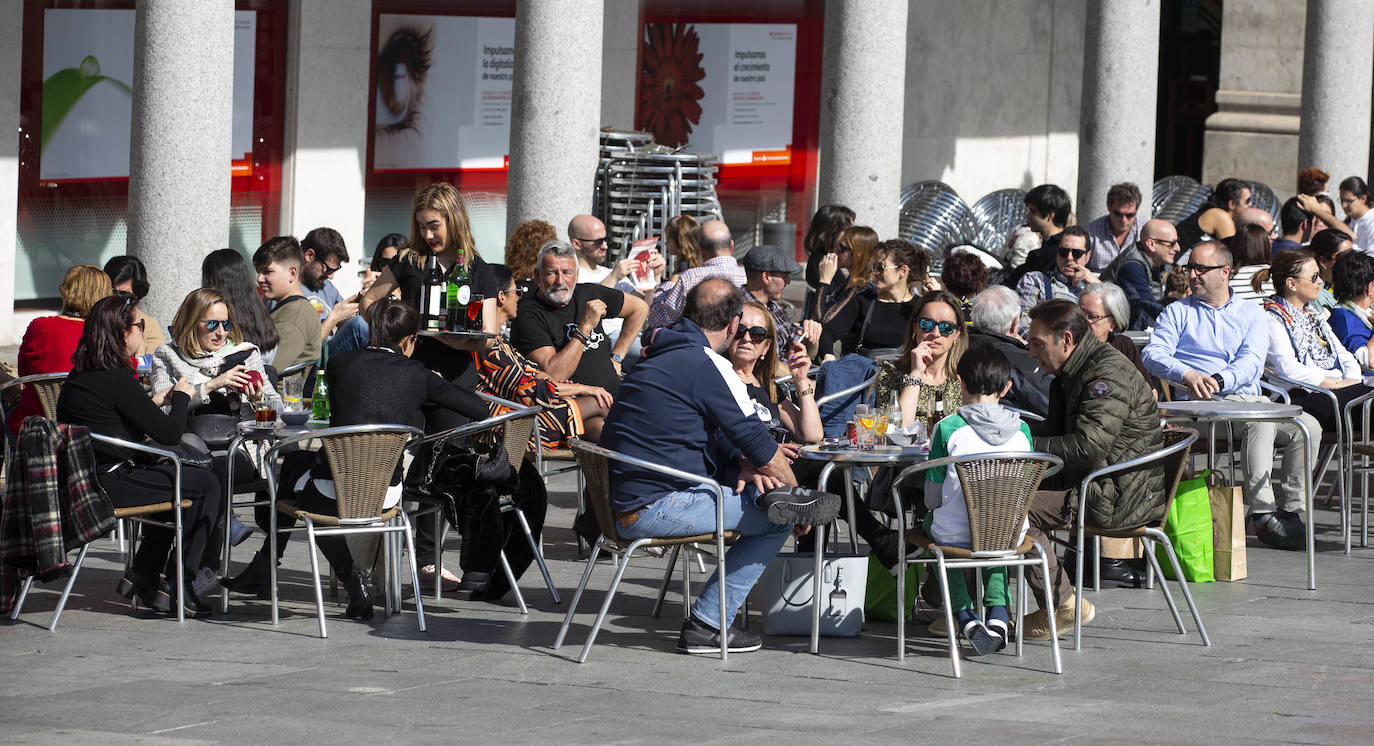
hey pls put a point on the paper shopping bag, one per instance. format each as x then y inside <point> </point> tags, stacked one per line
<point>1228,532</point>
<point>1189,528</point>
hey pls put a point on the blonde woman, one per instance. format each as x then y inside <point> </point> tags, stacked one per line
<point>50,340</point>
<point>208,350</point>
<point>753,358</point>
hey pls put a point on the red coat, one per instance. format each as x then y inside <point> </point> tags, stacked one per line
<point>47,348</point>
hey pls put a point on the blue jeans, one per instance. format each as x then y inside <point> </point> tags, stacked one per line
<point>350,335</point>
<point>693,511</point>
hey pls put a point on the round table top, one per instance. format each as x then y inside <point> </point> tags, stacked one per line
<point>278,429</point>
<point>888,454</point>
<point>454,335</point>
<point>1230,410</point>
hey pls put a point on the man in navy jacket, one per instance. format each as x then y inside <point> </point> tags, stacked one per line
<point>683,406</point>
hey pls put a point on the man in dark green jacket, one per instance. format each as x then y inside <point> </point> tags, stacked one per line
<point>1101,413</point>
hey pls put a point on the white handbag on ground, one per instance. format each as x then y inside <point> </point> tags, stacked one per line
<point>785,590</point>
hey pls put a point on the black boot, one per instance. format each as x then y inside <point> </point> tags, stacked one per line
<point>359,596</point>
<point>255,578</point>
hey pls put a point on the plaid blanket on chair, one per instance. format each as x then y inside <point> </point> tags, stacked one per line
<point>52,503</point>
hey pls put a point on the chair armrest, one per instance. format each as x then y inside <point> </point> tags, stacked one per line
<point>296,369</point>
<point>1293,383</point>
<point>140,447</point>
<point>1273,390</point>
<point>866,383</point>
<point>487,424</point>
<point>1128,465</point>
<point>1025,415</point>
<point>579,444</point>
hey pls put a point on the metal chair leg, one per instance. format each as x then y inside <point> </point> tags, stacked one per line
<point>315,575</point>
<point>1168,597</point>
<point>577,596</point>
<point>66,589</point>
<point>1049,612</point>
<point>667,578</point>
<point>1187,594</point>
<point>515,587</point>
<point>538,554</point>
<point>943,579</point>
<point>23,594</point>
<point>606,604</point>
<point>414,572</point>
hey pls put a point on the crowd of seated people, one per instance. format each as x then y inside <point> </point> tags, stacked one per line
<point>546,311</point>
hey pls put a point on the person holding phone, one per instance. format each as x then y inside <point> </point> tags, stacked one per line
<point>754,358</point>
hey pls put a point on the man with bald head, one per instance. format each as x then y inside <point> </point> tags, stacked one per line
<point>1213,344</point>
<point>1141,268</point>
<point>682,405</point>
<point>718,260</point>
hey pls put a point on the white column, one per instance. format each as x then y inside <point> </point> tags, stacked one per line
<point>328,59</point>
<point>620,63</point>
<point>179,150</point>
<point>1337,69</point>
<point>863,85</point>
<point>555,110</point>
<point>11,47</point>
<point>1116,138</point>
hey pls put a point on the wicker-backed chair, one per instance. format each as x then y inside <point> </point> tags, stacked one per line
<point>997,492</point>
<point>593,460</point>
<point>1173,458</point>
<point>361,460</point>
<point>519,425</point>
<point>48,387</point>
<point>135,514</point>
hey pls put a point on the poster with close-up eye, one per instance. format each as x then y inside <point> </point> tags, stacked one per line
<point>443,93</point>
<point>723,88</point>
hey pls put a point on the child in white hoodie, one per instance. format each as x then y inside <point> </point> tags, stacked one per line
<point>981,425</point>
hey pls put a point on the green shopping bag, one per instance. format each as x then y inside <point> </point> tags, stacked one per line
<point>880,594</point>
<point>1189,527</point>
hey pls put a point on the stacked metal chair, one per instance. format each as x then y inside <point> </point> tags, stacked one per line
<point>641,185</point>
<point>933,217</point>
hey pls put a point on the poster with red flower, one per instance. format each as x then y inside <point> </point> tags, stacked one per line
<point>723,88</point>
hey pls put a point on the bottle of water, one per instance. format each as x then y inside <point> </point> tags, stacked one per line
<point>893,413</point>
<point>320,403</point>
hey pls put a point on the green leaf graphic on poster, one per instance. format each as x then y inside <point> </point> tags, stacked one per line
<point>64,88</point>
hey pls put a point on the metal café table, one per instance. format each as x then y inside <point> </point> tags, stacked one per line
<point>847,457</point>
<point>1214,411</point>
<point>252,432</point>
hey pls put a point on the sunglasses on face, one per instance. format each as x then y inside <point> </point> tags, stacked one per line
<point>328,270</point>
<point>756,334</point>
<point>1124,215</point>
<point>214,324</point>
<point>1075,253</point>
<point>594,241</point>
<point>929,325</point>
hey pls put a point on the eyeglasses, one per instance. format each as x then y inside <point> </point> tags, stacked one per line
<point>1075,253</point>
<point>1094,318</point>
<point>594,241</point>
<point>140,325</point>
<point>328,270</point>
<point>519,291</point>
<point>1203,269</point>
<point>756,334</point>
<point>1123,215</point>
<point>929,325</point>
<point>214,324</point>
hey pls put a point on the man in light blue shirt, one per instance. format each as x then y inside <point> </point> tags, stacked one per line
<point>1214,346</point>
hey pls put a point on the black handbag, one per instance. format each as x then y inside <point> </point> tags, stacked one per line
<point>455,470</point>
<point>214,430</point>
<point>192,451</point>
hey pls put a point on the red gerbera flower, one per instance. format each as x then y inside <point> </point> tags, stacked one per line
<point>668,90</point>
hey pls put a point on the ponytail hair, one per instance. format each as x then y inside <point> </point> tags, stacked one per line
<point>1286,264</point>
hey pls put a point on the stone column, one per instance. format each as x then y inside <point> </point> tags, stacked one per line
<point>1337,72</point>
<point>327,96</point>
<point>623,33</point>
<point>179,150</point>
<point>555,110</point>
<point>11,45</point>
<point>1116,131</point>
<point>863,86</point>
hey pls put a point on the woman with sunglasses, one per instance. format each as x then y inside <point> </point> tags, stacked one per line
<point>208,350</point>
<point>571,410</point>
<point>102,394</point>
<point>924,374</point>
<point>853,250</point>
<point>754,359</point>
<point>875,323</point>
<point>1302,345</point>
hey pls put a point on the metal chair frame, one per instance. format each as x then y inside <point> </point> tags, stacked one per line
<point>136,514</point>
<point>610,545</point>
<point>398,524</point>
<point>1013,557</point>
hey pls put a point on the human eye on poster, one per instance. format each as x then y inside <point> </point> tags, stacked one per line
<point>87,99</point>
<point>723,88</point>
<point>443,94</point>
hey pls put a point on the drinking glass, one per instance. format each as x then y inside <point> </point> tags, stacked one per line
<point>292,393</point>
<point>865,424</point>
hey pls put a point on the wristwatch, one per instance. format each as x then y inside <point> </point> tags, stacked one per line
<point>617,357</point>
<point>1220,383</point>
